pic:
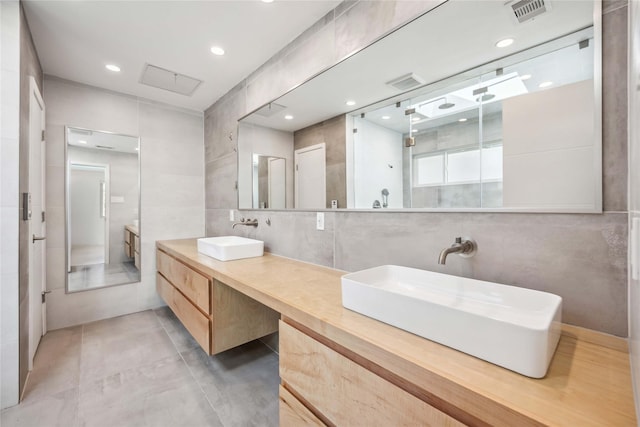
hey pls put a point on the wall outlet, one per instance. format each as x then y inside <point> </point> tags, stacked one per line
<point>231,215</point>
<point>320,221</point>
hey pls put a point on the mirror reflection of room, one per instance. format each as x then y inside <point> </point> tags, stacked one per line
<point>505,134</point>
<point>102,209</point>
<point>477,143</point>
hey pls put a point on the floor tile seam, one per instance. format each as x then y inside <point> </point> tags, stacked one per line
<point>130,331</point>
<point>191,373</point>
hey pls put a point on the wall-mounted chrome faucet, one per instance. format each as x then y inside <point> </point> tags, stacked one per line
<point>250,222</point>
<point>465,248</point>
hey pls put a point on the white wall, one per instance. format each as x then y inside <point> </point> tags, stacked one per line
<point>9,200</point>
<point>375,149</point>
<point>558,153</point>
<point>260,140</point>
<point>634,191</point>
<point>172,190</point>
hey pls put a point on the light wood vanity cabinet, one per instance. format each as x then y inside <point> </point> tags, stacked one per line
<point>341,392</point>
<point>338,367</point>
<point>132,244</point>
<point>217,316</point>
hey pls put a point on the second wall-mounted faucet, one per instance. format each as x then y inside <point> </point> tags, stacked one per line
<point>463,247</point>
<point>249,222</point>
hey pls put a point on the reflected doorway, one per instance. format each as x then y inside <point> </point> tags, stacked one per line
<point>310,177</point>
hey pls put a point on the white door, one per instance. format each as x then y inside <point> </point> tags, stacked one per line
<point>37,227</point>
<point>310,177</point>
<point>277,183</point>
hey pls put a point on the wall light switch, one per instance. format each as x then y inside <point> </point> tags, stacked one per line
<point>320,221</point>
<point>231,215</point>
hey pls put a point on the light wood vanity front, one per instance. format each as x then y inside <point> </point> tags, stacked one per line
<point>217,316</point>
<point>132,244</point>
<point>341,368</point>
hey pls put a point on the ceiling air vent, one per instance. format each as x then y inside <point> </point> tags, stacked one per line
<point>270,109</point>
<point>525,10</point>
<point>406,82</point>
<point>169,80</point>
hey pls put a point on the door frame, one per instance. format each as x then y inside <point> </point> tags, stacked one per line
<point>37,299</point>
<point>107,178</point>
<point>321,146</point>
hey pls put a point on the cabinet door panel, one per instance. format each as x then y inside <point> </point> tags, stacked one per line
<point>196,323</point>
<point>192,284</point>
<point>293,413</point>
<point>344,392</point>
<point>238,319</point>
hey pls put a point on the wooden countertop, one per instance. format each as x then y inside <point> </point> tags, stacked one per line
<point>132,228</point>
<point>588,383</point>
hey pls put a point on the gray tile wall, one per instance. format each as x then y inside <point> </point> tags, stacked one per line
<point>172,190</point>
<point>583,258</point>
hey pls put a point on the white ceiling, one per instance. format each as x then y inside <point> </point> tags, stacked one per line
<point>76,39</point>
<point>459,35</point>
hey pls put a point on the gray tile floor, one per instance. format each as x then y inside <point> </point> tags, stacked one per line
<point>144,369</point>
<point>83,277</point>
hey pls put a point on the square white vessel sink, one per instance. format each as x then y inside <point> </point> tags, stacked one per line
<point>228,248</point>
<point>512,327</point>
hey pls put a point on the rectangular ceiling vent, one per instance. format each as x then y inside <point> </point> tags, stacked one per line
<point>169,80</point>
<point>81,131</point>
<point>525,10</point>
<point>406,82</point>
<point>270,109</point>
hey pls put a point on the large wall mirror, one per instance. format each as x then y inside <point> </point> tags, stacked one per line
<point>102,188</point>
<point>479,105</point>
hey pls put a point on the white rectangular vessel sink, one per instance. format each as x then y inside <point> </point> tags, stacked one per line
<point>228,248</point>
<point>513,327</point>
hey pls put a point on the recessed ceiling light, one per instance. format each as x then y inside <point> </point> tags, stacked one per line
<point>82,141</point>
<point>504,43</point>
<point>525,77</point>
<point>137,148</point>
<point>545,84</point>
<point>113,68</point>
<point>267,1</point>
<point>288,117</point>
<point>414,130</point>
<point>462,120</point>
<point>385,117</point>
<point>415,119</point>
<point>350,103</point>
<point>217,50</point>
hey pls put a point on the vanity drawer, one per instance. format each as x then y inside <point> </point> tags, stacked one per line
<point>344,392</point>
<point>127,250</point>
<point>293,413</point>
<point>136,243</point>
<point>136,260</point>
<point>127,236</point>
<point>192,284</point>
<point>198,325</point>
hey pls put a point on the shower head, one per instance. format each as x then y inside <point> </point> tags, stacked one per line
<point>385,192</point>
<point>446,105</point>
